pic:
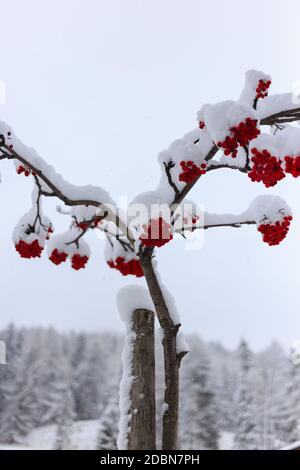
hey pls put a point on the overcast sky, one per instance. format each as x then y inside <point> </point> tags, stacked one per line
<point>98,88</point>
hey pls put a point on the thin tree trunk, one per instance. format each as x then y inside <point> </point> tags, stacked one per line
<point>171,358</point>
<point>142,434</point>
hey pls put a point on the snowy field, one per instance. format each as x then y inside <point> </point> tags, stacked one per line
<point>84,434</point>
<point>83,437</point>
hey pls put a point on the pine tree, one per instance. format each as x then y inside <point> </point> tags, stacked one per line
<point>19,388</point>
<point>65,421</point>
<point>199,410</point>
<point>226,402</point>
<point>87,378</point>
<point>247,430</point>
<point>287,408</point>
<point>53,378</point>
<point>108,430</point>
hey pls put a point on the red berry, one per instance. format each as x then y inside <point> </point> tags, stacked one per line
<point>273,234</point>
<point>79,262</point>
<point>157,233</point>
<point>262,89</point>
<point>190,171</point>
<point>241,135</point>
<point>58,257</point>
<point>29,250</point>
<point>20,169</point>
<point>266,168</point>
<point>292,166</point>
<point>201,124</point>
<point>131,267</point>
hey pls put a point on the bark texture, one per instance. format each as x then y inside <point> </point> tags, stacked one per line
<point>142,435</point>
<point>171,358</point>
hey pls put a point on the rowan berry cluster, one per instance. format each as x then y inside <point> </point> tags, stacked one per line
<point>292,166</point>
<point>241,135</point>
<point>78,261</point>
<point>262,89</point>
<point>157,233</point>
<point>132,267</point>
<point>266,168</point>
<point>58,257</point>
<point>29,250</point>
<point>273,234</point>
<point>191,171</point>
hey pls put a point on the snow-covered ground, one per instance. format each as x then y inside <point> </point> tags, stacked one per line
<point>83,437</point>
<point>84,434</point>
<point>226,441</point>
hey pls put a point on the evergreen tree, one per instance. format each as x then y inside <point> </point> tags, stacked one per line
<point>199,410</point>
<point>108,430</point>
<point>65,422</point>
<point>247,430</point>
<point>19,388</point>
<point>87,378</point>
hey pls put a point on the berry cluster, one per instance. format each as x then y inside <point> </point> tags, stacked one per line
<point>79,262</point>
<point>22,169</point>
<point>262,89</point>
<point>132,267</point>
<point>190,171</point>
<point>273,234</point>
<point>292,165</point>
<point>201,124</point>
<point>266,168</point>
<point>157,233</point>
<point>58,257</point>
<point>241,135</point>
<point>84,225</point>
<point>29,250</point>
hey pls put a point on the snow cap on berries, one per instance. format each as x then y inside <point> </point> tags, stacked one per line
<point>61,247</point>
<point>273,218</point>
<point>256,86</point>
<point>126,262</point>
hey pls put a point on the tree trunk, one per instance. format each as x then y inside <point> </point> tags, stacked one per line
<point>142,434</point>
<point>171,406</point>
<point>171,358</point>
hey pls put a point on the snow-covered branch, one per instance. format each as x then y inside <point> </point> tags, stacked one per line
<point>270,214</point>
<point>52,184</point>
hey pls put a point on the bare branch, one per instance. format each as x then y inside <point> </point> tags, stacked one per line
<point>168,166</point>
<point>232,224</point>
<point>291,115</point>
<point>278,118</point>
<point>217,166</point>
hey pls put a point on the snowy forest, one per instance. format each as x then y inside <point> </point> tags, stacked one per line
<point>231,399</point>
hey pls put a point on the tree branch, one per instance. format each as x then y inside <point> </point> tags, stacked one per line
<point>278,118</point>
<point>11,154</point>
<point>168,166</point>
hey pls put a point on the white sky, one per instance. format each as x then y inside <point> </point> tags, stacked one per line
<point>99,87</point>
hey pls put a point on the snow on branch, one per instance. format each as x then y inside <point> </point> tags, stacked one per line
<point>33,229</point>
<point>270,214</point>
<point>230,126</point>
<point>51,183</point>
<point>252,135</point>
